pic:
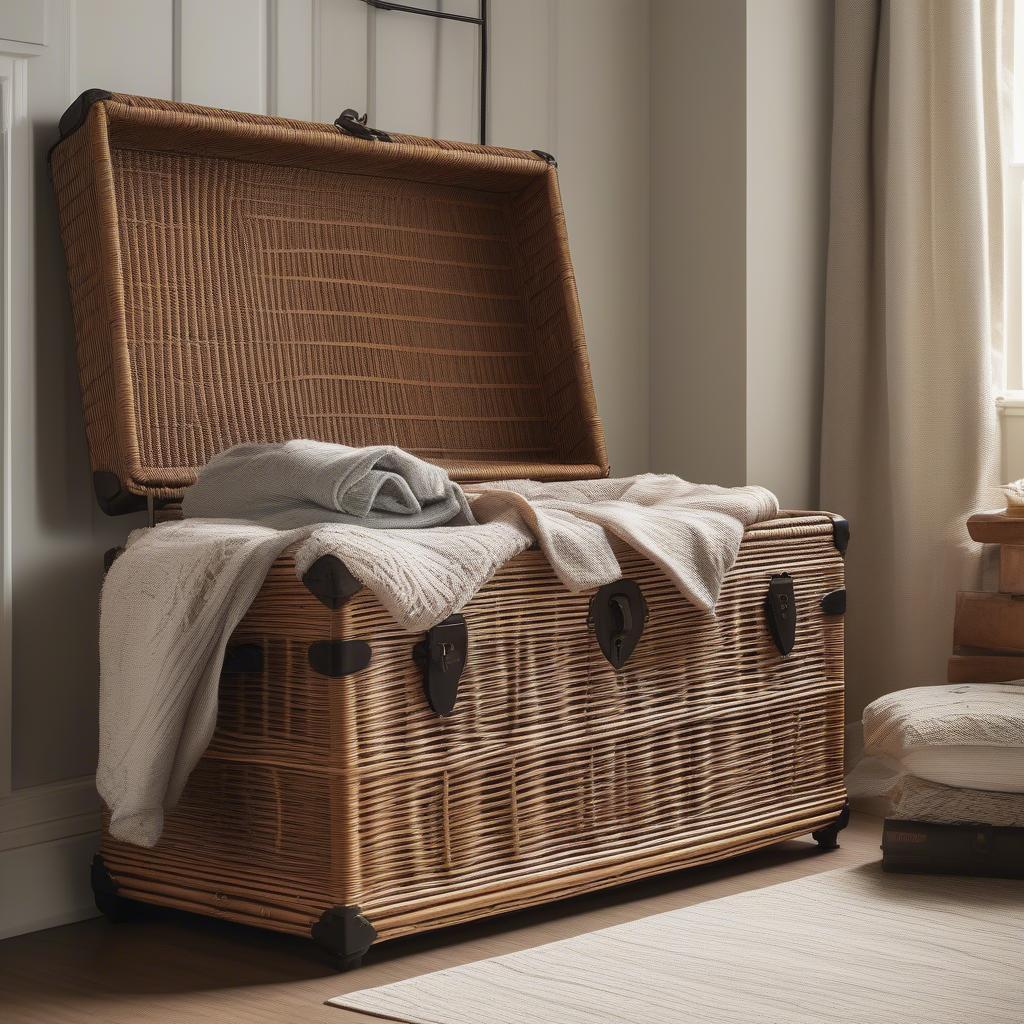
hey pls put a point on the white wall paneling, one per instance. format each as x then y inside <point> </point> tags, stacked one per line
<point>341,45</point>
<point>221,53</point>
<point>46,828</point>
<point>403,71</point>
<point>127,49</point>
<point>457,74</point>
<point>424,73</point>
<point>567,76</point>
<point>13,125</point>
<point>290,58</point>
<point>22,22</point>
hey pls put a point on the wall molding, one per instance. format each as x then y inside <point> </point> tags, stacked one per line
<point>6,652</point>
<point>41,814</point>
<point>47,837</point>
<point>46,885</point>
<point>23,27</point>
<point>15,171</point>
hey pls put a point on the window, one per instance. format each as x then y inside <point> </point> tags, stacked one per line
<point>1013,370</point>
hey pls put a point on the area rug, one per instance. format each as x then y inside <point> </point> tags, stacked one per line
<point>853,946</point>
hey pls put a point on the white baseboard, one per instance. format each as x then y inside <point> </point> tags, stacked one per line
<point>46,884</point>
<point>48,835</point>
<point>41,814</point>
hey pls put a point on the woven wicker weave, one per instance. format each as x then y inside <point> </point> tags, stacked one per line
<point>556,774</point>
<point>246,279</point>
<point>240,278</point>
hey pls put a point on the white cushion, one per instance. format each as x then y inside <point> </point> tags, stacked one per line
<point>968,735</point>
<point>921,800</point>
<point>997,769</point>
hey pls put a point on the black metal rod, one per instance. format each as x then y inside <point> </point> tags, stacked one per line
<point>386,5</point>
<point>483,72</point>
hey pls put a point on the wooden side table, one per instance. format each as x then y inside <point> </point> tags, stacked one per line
<point>988,630</point>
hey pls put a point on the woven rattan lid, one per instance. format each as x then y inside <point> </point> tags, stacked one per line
<point>238,278</point>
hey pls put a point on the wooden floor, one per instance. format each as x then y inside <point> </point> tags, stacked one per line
<point>177,968</point>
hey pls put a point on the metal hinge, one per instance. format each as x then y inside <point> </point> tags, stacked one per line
<point>354,123</point>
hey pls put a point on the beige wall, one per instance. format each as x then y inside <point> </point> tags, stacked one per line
<point>741,105</point>
<point>698,289</point>
<point>789,123</point>
<point>603,144</point>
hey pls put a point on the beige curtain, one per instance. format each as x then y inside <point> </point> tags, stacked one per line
<point>913,320</point>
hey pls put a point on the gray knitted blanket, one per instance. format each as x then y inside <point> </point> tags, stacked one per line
<point>301,483</point>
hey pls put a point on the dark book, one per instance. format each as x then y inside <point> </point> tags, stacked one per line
<point>934,848</point>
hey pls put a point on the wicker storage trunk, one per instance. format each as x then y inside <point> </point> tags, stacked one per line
<point>240,278</point>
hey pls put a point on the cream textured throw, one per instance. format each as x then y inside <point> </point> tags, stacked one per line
<point>173,598</point>
<point>691,531</point>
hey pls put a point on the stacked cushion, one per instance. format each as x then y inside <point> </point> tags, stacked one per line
<point>915,799</point>
<point>956,748</point>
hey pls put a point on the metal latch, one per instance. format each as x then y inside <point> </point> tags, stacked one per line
<point>441,656</point>
<point>617,616</point>
<point>354,123</point>
<point>780,611</point>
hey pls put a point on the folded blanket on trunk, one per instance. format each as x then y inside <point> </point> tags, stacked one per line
<point>172,599</point>
<point>691,531</point>
<point>300,483</point>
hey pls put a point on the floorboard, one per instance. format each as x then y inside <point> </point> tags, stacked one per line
<point>175,967</point>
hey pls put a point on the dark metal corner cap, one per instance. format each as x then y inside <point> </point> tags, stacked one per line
<point>834,603</point>
<point>74,117</point>
<point>112,496</point>
<point>330,582</point>
<point>344,930</point>
<point>100,877</point>
<point>547,157</point>
<point>840,534</point>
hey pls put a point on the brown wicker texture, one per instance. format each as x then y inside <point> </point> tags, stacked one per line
<point>238,278</point>
<point>554,776</point>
